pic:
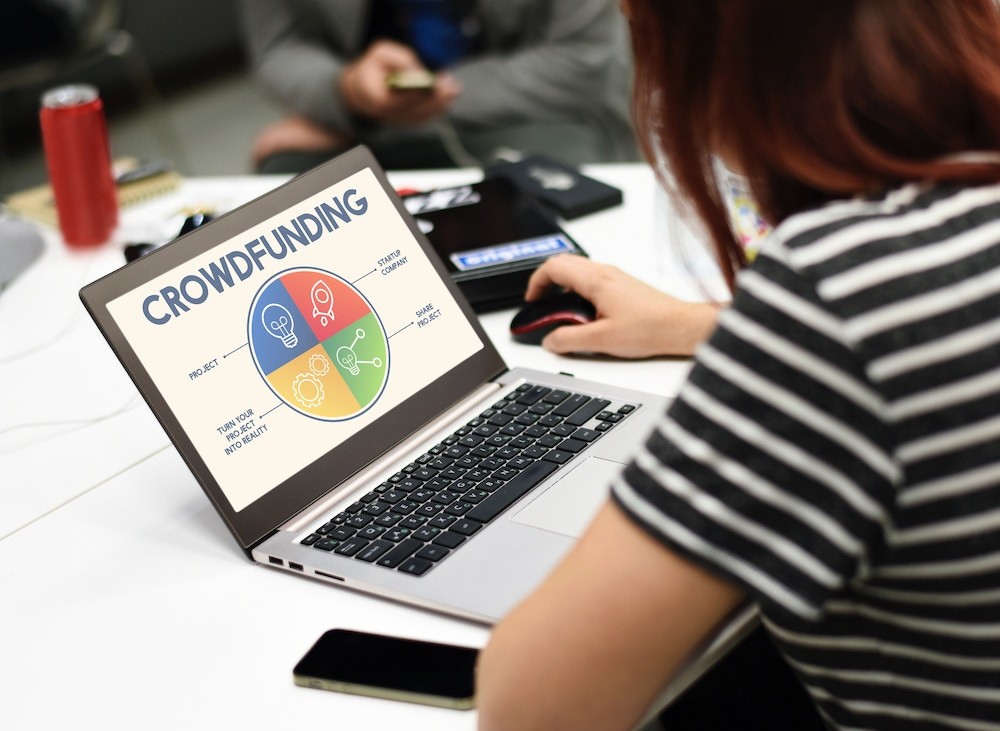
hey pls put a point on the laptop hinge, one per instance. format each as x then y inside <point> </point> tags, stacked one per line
<point>434,431</point>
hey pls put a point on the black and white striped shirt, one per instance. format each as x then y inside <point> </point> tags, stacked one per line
<point>836,451</point>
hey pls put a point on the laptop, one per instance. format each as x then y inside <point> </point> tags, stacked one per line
<point>334,394</point>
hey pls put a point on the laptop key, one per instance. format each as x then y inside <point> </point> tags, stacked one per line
<point>376,508</point>
<point>586,412</point>
<point>535,451</point>
<point>449,540</point>
<point>429,510</point>
<point>556,397</point>
<point>533,395</point>
<point>397,534</point>
<point>571,404</point>
<point>373,550</point>
<point>413,522</point>
<point>514,409</point>
<point>350,546</point>
<point>341,533</point>
<point>587,435</point>
<point>432,552</point>
<point>401,552</point>
<point>326,544</point>
<point>550,441</point>
<point>466,527</point>
<point>405,507</point>
<point>558,457</point>
<point>416,566</point>
<point>458,507</point>
<point>511,492</point>
<point>358,521</point>
<point>572,445</point>
<point>427,533</point>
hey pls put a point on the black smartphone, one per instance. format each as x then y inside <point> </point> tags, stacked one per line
<point>390,667</point>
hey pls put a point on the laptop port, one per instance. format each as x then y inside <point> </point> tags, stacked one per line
<point>296,566</point>
<point>329,576</point>
<point>276,561</point>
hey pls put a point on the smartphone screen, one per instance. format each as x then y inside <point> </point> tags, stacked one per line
<point>390,667</point>
<point>410,80</point>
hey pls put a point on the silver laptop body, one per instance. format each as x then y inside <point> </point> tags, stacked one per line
<point>310,347</point>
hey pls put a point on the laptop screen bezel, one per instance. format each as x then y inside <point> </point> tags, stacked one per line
<point>261,518</point>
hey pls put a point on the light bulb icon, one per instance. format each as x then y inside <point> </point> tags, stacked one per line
<point>322,302</point>
<point>279,324</point>
<point>348,359</point>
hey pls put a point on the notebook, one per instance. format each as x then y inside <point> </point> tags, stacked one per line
<point>336,398</point>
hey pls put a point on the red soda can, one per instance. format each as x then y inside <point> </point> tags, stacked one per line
<point>78,157</point>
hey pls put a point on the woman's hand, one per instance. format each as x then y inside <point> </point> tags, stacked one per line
<point>634,320</point>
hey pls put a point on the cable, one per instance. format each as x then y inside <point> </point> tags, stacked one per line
<point>88,490</point>
<point>454,147</point>
<point>78,423</point>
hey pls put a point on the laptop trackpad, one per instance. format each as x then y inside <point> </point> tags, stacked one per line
<point>569,505</point>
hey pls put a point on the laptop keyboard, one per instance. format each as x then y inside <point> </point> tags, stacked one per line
<point>434,505</point>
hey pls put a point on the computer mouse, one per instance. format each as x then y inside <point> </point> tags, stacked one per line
<point>537,319</point>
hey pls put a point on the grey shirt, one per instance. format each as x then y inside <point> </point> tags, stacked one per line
<point>542,61</point>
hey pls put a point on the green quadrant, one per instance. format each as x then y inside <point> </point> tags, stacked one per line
<point>365,369</point>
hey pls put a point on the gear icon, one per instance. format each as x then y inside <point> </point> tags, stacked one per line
<point>308,390</point>
<point>319,365</point>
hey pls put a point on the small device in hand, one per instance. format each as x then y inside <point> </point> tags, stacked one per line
<point>410,80</point>
<point>390,667</point>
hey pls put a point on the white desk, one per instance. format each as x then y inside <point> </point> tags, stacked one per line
<point>126,603</point>
<point>70,418</point>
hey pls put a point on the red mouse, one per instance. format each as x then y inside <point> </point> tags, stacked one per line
<point>538,318</point>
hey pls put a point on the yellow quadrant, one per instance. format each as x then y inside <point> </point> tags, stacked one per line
<point>312,385</point>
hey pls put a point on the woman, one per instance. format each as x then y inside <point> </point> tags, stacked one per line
<point>833,456</point>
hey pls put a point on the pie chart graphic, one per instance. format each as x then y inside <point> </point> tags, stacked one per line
<point>318,344</point>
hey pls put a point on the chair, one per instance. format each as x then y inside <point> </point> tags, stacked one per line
<point>42,40</point>
<point>44,37</point>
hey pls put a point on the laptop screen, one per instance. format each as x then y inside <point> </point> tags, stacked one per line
<point>319,323</point>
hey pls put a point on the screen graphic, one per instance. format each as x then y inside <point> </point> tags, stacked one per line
<point>285,340</point>
<point>318,344</point>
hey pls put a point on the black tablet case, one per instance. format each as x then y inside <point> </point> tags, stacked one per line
<point>491,236</point>
<point>563,189</point>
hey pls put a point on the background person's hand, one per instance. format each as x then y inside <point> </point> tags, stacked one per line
<point>634,320</point>
<point>363,86</point>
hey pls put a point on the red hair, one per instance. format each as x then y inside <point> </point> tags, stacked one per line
<point>813,101</point>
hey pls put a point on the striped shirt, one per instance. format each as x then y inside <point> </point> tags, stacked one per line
<point>836,452</point>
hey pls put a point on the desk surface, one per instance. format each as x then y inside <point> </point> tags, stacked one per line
<point>126,601</point>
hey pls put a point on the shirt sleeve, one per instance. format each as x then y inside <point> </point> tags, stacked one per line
<point>296,59</point>
<point>773,467</point>
<point>563,59</point>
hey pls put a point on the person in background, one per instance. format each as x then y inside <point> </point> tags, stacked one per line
<point>510,76</point>
<point>833,455</point>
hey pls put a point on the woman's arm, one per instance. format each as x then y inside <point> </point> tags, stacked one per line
<point>634,320</point>
<point>594,645</point>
